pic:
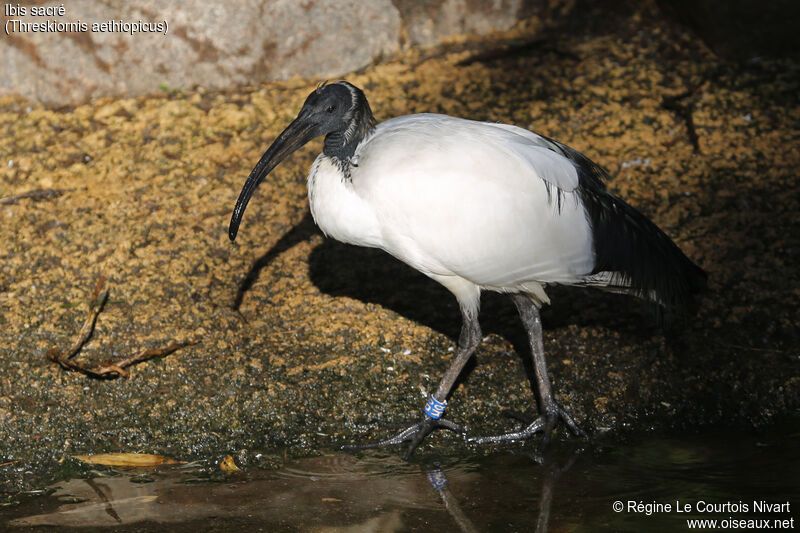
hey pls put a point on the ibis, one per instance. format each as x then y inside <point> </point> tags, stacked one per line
<point>476,206</point>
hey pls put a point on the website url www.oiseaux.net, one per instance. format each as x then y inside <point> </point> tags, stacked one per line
<point>740,523</point>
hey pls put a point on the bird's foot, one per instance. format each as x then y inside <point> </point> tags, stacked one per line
<point>545,423</point>
<point>414,434</point>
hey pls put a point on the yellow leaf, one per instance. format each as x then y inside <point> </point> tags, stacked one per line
<point>126,459</point>
<point>228,466</point>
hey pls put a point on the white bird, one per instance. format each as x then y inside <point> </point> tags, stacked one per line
<point>476,206</point>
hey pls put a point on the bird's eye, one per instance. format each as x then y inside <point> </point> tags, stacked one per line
<point>331,108</point>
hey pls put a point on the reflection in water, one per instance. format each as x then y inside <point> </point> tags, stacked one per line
<point>439,482</point>
<point>332,493</point>
<point>552,472</point>
<point>507,491</point>
<point>549,475</point>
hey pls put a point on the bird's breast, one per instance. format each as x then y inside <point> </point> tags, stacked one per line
<point>336,206</point>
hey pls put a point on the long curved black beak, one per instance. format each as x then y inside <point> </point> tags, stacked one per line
<point>296,134</point>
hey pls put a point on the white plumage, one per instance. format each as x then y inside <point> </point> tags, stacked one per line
<point>475,205</point>
<point>458,198</point>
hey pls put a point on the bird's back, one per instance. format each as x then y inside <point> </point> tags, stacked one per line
<point>465,198</point>
<point>502,207</point>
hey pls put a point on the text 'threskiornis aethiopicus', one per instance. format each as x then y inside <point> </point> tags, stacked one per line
<point>476,206</point>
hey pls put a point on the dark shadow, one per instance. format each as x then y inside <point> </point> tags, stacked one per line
<point>740,29</point>
<point>372,275</point>
<point>302,231</point>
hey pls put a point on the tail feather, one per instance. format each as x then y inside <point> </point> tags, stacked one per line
<point>632,254</point>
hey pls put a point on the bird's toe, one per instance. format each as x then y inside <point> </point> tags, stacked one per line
<point>414,434</point>
<point>543,424</point>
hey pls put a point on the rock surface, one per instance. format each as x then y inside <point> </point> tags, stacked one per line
<point>215,45</point>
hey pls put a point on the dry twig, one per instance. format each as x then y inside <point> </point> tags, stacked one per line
<point>108,370</point>
<point>98,299</point>
<point>115,370</point>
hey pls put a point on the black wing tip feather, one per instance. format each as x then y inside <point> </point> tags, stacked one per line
<point>651,263</point>
<point>642,258</point>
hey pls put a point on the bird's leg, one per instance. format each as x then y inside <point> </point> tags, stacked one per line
<point>549,410</point>
<point>431,419</point>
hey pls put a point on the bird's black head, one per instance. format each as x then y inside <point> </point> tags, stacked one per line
<point>339,111</point>
<point>343,115</point>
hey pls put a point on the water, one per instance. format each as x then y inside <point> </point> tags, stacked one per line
<point>721,475</point>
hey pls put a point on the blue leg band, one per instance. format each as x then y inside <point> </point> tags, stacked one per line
<point>437,479</point>
<point>434,408</point>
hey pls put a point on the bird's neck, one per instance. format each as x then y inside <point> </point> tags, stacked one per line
<point>339,147</point>
<point>342,144</point>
